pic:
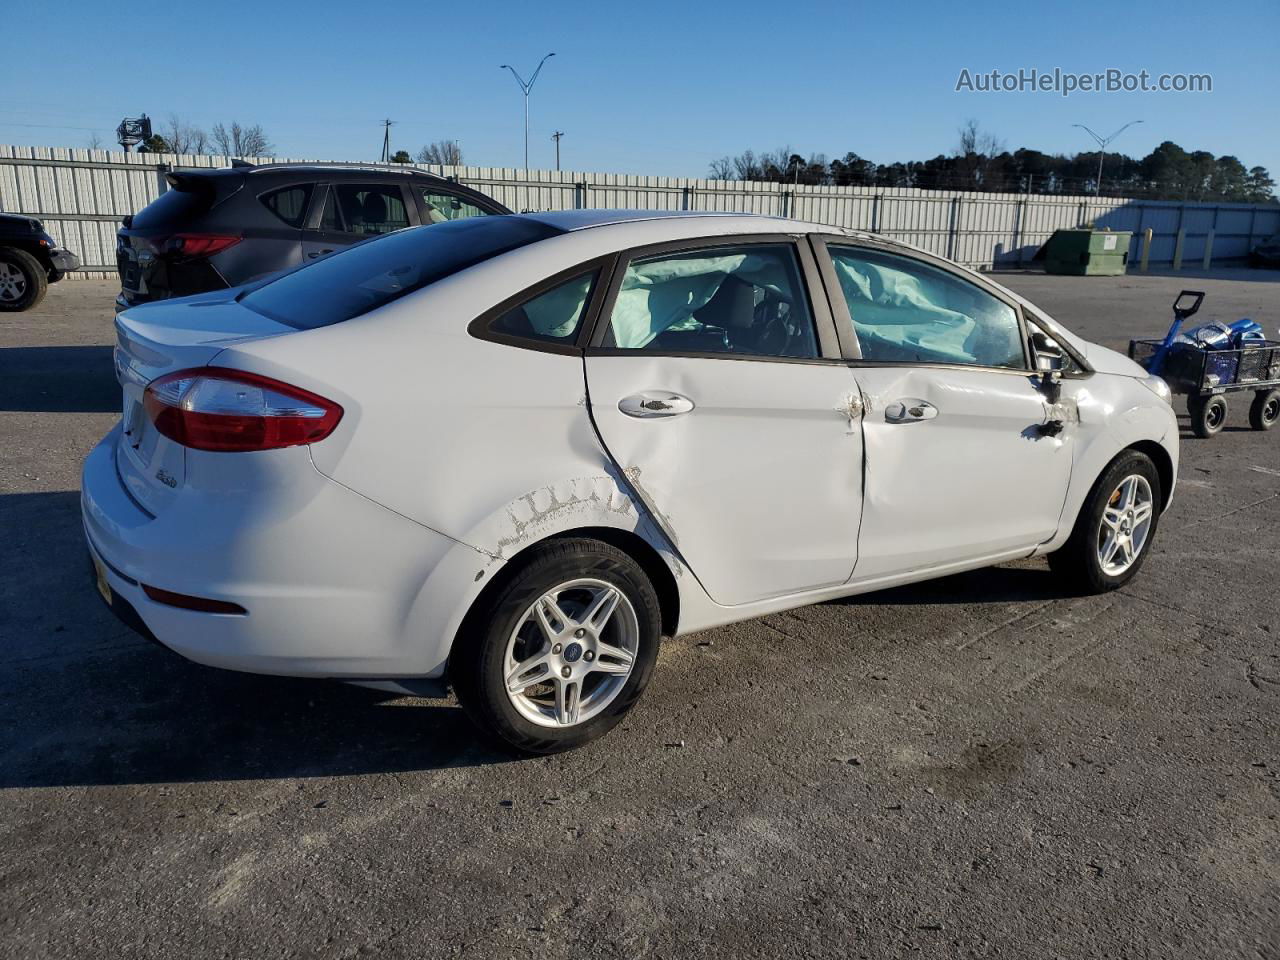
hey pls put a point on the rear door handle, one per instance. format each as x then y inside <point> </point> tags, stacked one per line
<point>910,410</point>
<point>649,404</point>
<point>318,253</point>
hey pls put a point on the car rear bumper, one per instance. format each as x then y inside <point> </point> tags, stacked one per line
<point>331,581</point>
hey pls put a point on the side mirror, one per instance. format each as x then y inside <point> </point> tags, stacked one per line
<point>1049,355</point>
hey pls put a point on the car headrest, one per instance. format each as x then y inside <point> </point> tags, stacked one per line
<point>732,307</point>
<point>374,208</point>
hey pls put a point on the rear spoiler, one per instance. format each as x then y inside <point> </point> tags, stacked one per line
<point>214,184</point>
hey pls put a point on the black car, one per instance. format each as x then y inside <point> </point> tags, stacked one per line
<point>218,228</point>
<point>30,260</point>
<point>1267,253</point>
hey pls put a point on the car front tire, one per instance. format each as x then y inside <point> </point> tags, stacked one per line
<point>1115,529</point>
<point>23,281</point>
<point>558,653</point>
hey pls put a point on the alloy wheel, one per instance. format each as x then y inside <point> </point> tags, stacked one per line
<point>1126,524</point>
<point>571,653</point>
<point>13,282</point>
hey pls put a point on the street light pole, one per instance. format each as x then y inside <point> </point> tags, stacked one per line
<point>1102,148</point>
<point>526,88</point>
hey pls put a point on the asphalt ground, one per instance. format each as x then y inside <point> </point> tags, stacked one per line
<point>979,766</point>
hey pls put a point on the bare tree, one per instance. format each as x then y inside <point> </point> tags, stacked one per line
<point>747,167</point>
<point>444,152</point>
<point>974,141</point>
<point>94,140</point>
<point>241,141</point>
<point>183,137</point>
<point>722,169</point>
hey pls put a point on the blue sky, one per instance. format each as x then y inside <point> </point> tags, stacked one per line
<point>655,87</point>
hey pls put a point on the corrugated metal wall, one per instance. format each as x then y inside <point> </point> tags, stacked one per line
<point>82,194</point>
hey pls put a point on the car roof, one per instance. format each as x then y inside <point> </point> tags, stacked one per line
<point>239,168</point>
<point>682,224</point>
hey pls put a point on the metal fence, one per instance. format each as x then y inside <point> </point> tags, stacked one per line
<point>82,194</point>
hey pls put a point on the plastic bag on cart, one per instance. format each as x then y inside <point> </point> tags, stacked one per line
<point>1223,336</point>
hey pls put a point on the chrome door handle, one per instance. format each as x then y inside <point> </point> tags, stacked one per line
<point>910,411</point>
<point>655,403</point>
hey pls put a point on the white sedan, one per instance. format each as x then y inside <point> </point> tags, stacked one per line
<point>511,453</point>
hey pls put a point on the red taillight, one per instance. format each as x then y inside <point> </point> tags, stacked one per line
<point>210,408</point>
<point>197,245</point>
<point>187,602</point>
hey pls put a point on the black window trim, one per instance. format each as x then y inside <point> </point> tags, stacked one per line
<point>848,334</point>
<point>810,282</point>
<point>482,326</point>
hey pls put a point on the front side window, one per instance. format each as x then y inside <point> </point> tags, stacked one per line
<point>906,311</point>
<point>736,300</point>
<point>440,207</point>
<point>289,203</point>
<point>365,209</point>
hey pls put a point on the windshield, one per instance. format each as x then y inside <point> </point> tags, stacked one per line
<point>370,274</point>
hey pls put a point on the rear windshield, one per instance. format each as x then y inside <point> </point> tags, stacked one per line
<point>370,274</point>
<point>173,208</point>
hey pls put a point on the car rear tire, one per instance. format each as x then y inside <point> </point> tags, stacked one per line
<point>558,653</point>
<point>1116,526</point>
<point>1265,409</point>
<point>1208,415</point>
<point>23,281</point>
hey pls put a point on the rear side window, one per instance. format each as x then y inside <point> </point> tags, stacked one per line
<point>366,209</point>
<point>172,208</point>
<point>289,203</point>
<point>369,275</point>
<point>551,317</point>
<point>742,300</point>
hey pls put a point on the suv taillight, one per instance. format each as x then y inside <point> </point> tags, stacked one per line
<point>211,408</point>
<point>196,245</point>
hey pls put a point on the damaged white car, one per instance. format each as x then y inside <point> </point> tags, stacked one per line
<point>512,453</point>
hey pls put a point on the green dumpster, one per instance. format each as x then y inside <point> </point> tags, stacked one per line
<point>1087,253</point>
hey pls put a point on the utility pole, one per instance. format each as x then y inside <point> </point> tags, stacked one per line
<point>1102,148</point>
<point>556,137</point>
<point>527,87</point>
<point>386,140</point>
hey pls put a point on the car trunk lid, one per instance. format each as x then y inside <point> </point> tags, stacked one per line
<point>155,340</point>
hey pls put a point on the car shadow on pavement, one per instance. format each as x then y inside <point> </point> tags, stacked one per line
<point>1029,580</point>
<point>58,380</point>
<point>85,701</point>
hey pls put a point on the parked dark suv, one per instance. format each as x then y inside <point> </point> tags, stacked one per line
<point>223,227</point>
<point>30,260</point>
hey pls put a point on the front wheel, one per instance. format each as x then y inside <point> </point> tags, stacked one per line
<point>1208,415</point>
<point>1117,523</point>
<point>562,650</point>
<point>23,281</point>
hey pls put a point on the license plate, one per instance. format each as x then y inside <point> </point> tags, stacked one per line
<point>100,577</point>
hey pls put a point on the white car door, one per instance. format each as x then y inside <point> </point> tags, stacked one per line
<point>967,457</point>
<point>731,413</point>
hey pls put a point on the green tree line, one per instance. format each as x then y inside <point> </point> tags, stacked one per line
<point>980,163</point>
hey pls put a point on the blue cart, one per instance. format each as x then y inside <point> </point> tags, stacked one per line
<point>1206,374</point>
